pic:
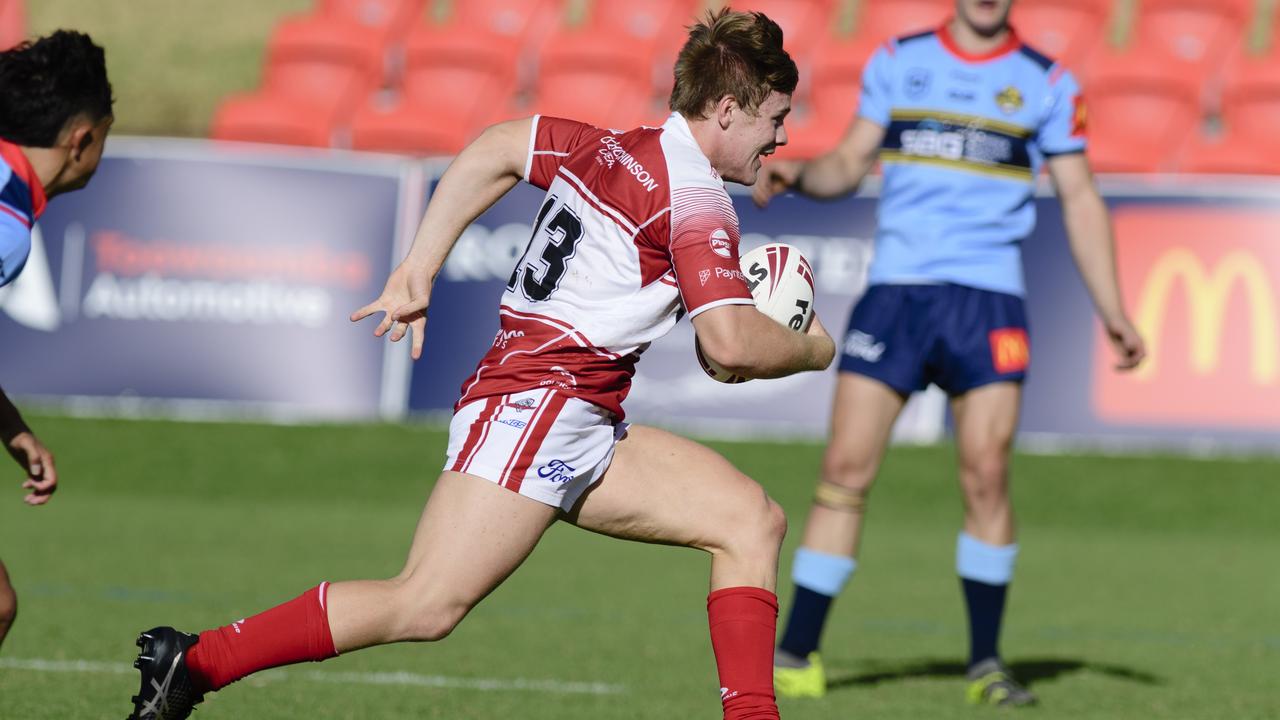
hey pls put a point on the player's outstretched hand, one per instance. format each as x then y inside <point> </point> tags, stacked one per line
<point>404,303</point>
<point>37,462</point>
<point>1127,343</point>
<point>775,177</point>
<point>825,346</point>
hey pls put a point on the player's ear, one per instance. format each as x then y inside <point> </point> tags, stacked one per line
<point>79,137</point>
<point>724,110</point>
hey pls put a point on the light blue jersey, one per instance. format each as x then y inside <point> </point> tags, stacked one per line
<point>965,138</point>
<point>22,200</point>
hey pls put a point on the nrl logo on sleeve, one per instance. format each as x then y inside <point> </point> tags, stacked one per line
<point>720,243</point>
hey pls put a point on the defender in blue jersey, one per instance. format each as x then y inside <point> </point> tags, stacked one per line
<point>961,119</point>
<point>55,112</point>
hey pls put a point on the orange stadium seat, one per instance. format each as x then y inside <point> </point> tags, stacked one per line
<point>13,23</point>
<point>510,27</point>
<point>1198,32</point>
<point>880,20</point>
<point>521,20</point>
<point>601,96</point>
<point>1234,154</point>
<point>802,21</point>
<point>825,111</point>
<point>355,32</point>
<point>300,103</point>
<point>1251,96</point>
<point>1064,30</point>
<point>477,79</point>
<point>1140,110</point>
<point>647,21</point>
<point>622,36</point>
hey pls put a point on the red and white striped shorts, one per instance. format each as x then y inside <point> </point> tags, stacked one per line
<point>539,443</point>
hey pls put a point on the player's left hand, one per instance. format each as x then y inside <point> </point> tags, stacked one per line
<point>404,301</point>
<point>1127,343</point>
<point>37,462</point>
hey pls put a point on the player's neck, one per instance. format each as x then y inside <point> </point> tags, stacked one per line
<point>705,135</point>
<point>49,164</point>
<point>973,42</point>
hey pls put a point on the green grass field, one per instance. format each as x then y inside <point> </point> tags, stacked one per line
<point>1146,588</point>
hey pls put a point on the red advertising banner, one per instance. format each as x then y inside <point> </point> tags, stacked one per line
<point>1202,286</point>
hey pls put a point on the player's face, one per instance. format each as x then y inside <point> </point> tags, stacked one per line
<point>755,135</point>
<point>986,17</point>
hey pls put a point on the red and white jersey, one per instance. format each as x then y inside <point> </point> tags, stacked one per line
<point>636,227</point>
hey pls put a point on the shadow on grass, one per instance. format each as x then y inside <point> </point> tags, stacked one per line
<point>1029,672</point>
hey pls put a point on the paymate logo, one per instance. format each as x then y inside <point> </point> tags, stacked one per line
<point>1202,286</point>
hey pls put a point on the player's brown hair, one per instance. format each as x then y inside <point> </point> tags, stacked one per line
<point>731,53</point>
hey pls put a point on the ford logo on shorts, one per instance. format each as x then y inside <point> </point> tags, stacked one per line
<point>556,471</point>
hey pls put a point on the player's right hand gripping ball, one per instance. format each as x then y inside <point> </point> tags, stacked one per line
<point>781,284</point>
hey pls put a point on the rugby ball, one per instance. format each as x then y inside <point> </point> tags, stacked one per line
<point>781,283</point>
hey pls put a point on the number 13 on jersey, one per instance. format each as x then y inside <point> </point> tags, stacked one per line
<point>555,240</point>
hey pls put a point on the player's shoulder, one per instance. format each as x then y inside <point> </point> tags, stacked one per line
<point>914,40</point>
<point>687,167</point>
<point>910,44</point>
<point>1042,66</point>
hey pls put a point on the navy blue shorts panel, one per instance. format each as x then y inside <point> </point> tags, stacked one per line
<point>957,337</point>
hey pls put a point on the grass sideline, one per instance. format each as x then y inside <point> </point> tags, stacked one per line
<point>1144,590</point>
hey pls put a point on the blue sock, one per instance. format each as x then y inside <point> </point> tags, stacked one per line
<point>985,571</point>
<point>986,608</point>
<point>818,578</point>
<point>804,625</point>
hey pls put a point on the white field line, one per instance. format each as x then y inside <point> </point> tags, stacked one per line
<point>555,687</point>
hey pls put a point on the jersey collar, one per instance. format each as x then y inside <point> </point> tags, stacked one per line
<point>14,157</point>
<point>1011,43</point>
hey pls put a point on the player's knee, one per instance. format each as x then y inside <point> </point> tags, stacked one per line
<point>775,523</point>
<point>986,471</point>
<point>759,531</point>
<point>849,472</point>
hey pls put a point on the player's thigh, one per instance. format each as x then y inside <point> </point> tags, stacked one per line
<point>862,417</point>
<point>472,534</point>
<point>986,419</point>
<point>662,488</point>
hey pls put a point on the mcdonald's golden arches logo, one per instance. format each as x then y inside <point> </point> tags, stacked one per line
<point>1202,285</point>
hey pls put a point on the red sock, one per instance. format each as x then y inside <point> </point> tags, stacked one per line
<point>290,633</point>
<point>743,622</point>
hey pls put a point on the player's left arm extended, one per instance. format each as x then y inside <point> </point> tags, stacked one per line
<point>481,174</point>
<point>477,178</point>
<point>1093,248</point>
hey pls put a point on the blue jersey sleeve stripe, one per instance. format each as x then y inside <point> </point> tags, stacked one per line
<point>904,39</point>
<point>1044,61</point>
<point>17,195</point>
